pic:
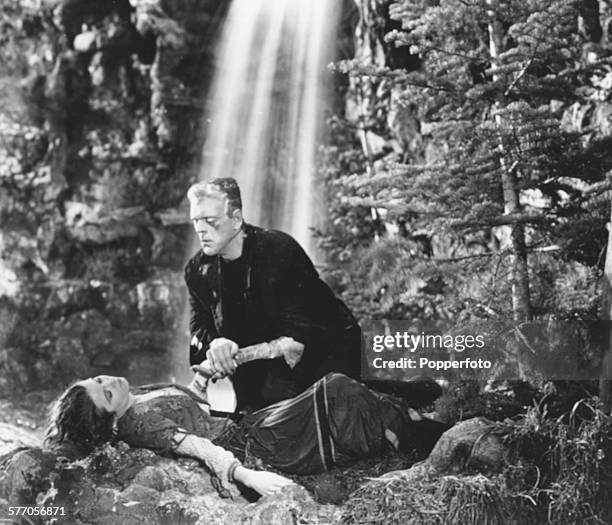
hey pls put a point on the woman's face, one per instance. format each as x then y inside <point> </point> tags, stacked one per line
<point>108,393</point>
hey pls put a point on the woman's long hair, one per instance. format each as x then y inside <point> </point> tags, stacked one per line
<point>75,420</point>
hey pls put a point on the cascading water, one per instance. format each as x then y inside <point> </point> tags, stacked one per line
<point>265,111</point>
<point>265,114</point>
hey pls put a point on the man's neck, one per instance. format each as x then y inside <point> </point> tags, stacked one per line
<point>233,249</point>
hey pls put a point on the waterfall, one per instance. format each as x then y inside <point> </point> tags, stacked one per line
<point>265,107</point>
<point>264,117</point>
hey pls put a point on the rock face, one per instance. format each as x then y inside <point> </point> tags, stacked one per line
<point>117,484</point>
<point>100,136</point>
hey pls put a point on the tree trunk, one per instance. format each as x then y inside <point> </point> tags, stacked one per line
<point>513,237</point>
<point>605,377</point>
<point>521,304</point>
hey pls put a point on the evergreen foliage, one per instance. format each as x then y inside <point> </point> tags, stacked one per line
<point>530,113</point>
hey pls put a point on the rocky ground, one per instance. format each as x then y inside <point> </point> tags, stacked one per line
<point>119,484</point>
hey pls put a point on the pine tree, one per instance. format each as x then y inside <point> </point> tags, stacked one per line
<point>492,96</point>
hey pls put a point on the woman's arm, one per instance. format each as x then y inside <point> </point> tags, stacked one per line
<point>226,467</point>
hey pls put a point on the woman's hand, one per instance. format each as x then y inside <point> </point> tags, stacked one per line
<point>263,482</point>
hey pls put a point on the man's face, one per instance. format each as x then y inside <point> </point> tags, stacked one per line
<point>212,225</point>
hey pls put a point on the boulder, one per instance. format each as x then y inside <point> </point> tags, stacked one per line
<point>469,445</point>
<point>24,474</point>
<point>459,482</point>
<point>472,445</point>
<point>119,484</point>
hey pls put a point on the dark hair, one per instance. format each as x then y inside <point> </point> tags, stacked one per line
<point>227,186</point>
<point>76,420</point>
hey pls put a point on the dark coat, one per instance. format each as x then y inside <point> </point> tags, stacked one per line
<point>284,297</point>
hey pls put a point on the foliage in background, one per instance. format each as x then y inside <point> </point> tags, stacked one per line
<point>442,194</point>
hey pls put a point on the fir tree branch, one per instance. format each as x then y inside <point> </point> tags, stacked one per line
<point>504,220</point>
<point>452,53</point>
<point>596,188</point>
<point>500,253</point>
<point>519,76</point>
<point>430,86</point>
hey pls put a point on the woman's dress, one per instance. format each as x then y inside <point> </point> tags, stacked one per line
<point>334,422</point>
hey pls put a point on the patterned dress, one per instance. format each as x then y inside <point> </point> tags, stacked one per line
<point>335,422</point>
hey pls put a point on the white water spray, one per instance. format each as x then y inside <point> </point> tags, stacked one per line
<point>265,112</point>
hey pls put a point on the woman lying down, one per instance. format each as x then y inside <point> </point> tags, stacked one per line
<point>335,422</point>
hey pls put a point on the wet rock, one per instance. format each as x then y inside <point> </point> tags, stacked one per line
<point>161,299</point>
<point>146,339</point>
<point>9,283</point>
<point>85,41</point>
<point>13,436</point>
<point>169,243</point>
<point>174,216</point>
<point>85,176</point>
<point>405,126</point>
<point>470,444</point>
<point>88,344</point>
<point>293,504</point>
<point>69,359</point>
<point>69,296</point>
<point>20,248</point>
<point>93,224</point>
<point>143,367</point>
<point>26,473</point>
<point>74,350</point>
<point>121,303</point>
<point>182,63</point>
<point>90,328</point>
<point>119,484</point>
<point>14,372</point>
<point>459,464</point>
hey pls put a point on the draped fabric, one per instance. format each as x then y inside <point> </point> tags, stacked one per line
<point>334,422</point>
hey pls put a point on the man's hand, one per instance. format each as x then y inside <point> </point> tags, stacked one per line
<point>220,355</point>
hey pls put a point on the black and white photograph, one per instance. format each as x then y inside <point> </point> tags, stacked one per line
<point>306,261</point>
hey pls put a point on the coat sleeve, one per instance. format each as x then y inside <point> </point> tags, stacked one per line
<point>300,301</point>
<point>201,324</point>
